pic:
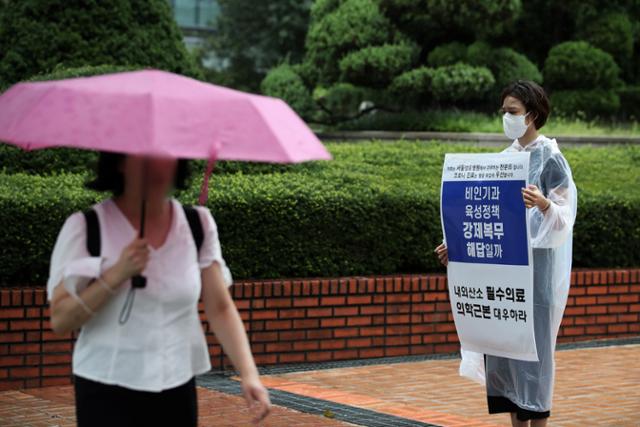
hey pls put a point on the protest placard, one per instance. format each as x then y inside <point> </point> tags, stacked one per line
<point>490,272</point>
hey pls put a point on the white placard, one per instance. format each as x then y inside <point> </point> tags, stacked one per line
<point>490,271</point>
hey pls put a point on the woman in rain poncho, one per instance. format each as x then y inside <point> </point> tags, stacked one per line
<point>525,389</point>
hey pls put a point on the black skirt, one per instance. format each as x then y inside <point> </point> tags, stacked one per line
<point>499,404</point>
<point>99,405</point>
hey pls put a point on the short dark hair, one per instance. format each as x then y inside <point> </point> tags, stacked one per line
<point>534,98</point>
<point>109,178</point>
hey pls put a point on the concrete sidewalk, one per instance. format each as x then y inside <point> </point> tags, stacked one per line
<point>595,386</point>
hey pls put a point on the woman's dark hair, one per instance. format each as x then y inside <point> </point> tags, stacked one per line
<point>534,98</point>
<point>109,177</point>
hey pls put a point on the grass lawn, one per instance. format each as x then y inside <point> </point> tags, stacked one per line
<point>465,121</point>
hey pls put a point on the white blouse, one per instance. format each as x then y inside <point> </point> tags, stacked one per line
<point>162,345</point>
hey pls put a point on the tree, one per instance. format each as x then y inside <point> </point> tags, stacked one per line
<point>38,35</point>
<point>253,36</point>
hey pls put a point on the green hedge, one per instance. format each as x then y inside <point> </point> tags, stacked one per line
<point>373,210</point>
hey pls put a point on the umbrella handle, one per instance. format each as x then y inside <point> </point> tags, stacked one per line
<point>138,281</point>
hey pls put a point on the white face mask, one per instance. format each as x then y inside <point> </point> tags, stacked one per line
<point>514,126</point>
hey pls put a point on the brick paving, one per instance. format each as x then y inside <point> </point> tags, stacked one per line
<point>53,406</point>
<point>594,387</point>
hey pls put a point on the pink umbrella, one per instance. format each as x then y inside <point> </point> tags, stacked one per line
<point>156,113</point>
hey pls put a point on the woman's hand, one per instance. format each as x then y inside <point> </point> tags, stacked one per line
<point>133,259</point>
<point>443,254</point>
<point>257,398</point>
<point>533,197</point>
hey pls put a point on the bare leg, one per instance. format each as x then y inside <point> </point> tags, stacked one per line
<point>539,423</point>
<point>515,422</point>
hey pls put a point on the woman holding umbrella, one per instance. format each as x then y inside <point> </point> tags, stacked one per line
<point>141,372</point>
<point>135,363</point>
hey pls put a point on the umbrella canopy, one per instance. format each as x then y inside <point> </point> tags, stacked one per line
<point>155,113</point>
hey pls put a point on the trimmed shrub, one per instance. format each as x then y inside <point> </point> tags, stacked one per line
<point>630,102</point>
<point>373,210</point>
<point>478,53</point>
<point>461,82</point>
<point>579,65</point>
<point>613,33</point>
<point>447,54</point>
<point>414,85</point>
<point>377,65</point>
<point>340,27</point>
<point>341,100</point>
<point>38,35</point>
<point>283,82</point>
<point>60,72</point>
<point>508,65</point>
<point>585,103</point>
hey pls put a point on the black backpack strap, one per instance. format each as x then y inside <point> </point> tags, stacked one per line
<point>93,232</point>
<point>195,224</point>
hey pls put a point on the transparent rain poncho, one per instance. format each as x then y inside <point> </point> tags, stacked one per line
<point>530,384</point>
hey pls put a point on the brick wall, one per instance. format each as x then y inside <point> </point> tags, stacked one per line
<point>325,319</point>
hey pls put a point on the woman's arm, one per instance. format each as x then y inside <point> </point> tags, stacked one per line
<point>229,329</point>
<point>69,312</point>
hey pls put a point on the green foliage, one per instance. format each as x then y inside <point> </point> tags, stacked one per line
<point>579,65</point>
<point>60,73</point>
<point>342,100</point>
<point>270,32</point>
<point>585,103</point>
<point>447,54</point>
<point>414,85</point>
<point>36,36</point>
<point>373,210</point>
<point>613,33</point>
<point>283,82</point>
<point>455,120</point>
<point>508,65</point>
<point>338,28</point>
<point>376,66</point>
<point>461,82</point>
<point>45,162</point>
<point>434,22</point>
<point>630,102</point>
<point>478,53</point>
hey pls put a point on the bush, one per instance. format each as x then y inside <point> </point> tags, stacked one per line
<point>613,33</point>
<point>373,210</point>
<point>283,82</point>
<point>341,100</point>
<point>579,65</point>
<point>447,54</point>
<point>377,65</point>
<point>38,35</point>
<point>508,65</point>
<point>478,53</point>
<point>630,102</point>
<point>338,28</point>
<point>461,82</point>
<point>585,103</point>
<point>414,85</point>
